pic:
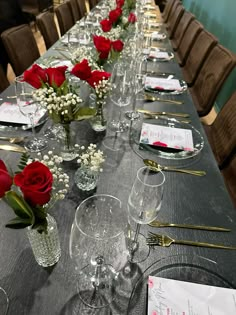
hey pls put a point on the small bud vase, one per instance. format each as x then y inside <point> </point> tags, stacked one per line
<point>67,141</point>
<point>45,246</point>
<point>98,122</point>
<point>85,178</point>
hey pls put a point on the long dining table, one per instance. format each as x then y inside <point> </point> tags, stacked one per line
<point>188,199</point>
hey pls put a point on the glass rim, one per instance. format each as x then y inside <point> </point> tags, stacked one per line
<point>150,185</point>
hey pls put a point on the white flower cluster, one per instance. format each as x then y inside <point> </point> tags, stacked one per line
<point>60,179</point>
<point>60,105</point>
<point>84,52</point>
<point>113,34</point>
<point>102,89</point>
<point>91,157</point>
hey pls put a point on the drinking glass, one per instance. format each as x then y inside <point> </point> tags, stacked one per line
<point>144,203</point>
<point>98,248</point>
<point>29,107</point>
<point>4,301</point>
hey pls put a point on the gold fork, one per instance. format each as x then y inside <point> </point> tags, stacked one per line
<point>166,241</point>
<point>157,167</point>
<point>159,99</point>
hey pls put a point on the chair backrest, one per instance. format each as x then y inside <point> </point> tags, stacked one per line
<point>21,47</point>
<point>215,70</point>
<point>174,19</point>
<point>168,8</point>
<point>198,53</point>
<point>181,28</point>
<point>92,4</point>
<point>192,32</point>
<point>47,27</point>
<point>74,8</point>
<point>222,133</point>
<point>64,17</point>
<point>4,83</point>
<point>82,7</point>
<point>229,174</point>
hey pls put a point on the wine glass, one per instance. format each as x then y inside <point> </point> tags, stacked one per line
<point>29,108</point>
<point>144,203</point>
<point>98,248</point>
<point>4,301</point>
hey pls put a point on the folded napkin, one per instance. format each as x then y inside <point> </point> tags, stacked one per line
<point>162,84</point>
<point>158,36</point>
<point>159,55</point>
<point>10,113</point>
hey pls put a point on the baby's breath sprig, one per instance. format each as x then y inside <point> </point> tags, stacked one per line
<point>102,89</point>
<point>91,157</point>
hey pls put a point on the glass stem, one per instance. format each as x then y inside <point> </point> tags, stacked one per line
<point>31,117</point>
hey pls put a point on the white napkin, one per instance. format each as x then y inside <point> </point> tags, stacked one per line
<point>163,84</point>
<point>158,36</point>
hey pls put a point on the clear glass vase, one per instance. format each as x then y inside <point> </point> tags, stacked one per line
<point>98,122</point>
<point>67,143</point>
<point>45,246</point>
<point>85,178</point>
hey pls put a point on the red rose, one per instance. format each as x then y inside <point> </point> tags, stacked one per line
<point>117,45</point>
<point>56,76</point>
<point>120,3</point>
<point>103,46</point>
<point>114,15</point>
<point>82,70</point>
<point>35,182</point>
<point>132,18</point>
<point>106,25</point>
<point>5,179</point>
<point>98,76</point>
<point>35,76</point>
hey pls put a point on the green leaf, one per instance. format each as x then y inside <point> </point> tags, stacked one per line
<point>85,113</point>
<point>40,212</point>
<point>18,223</point>
<point>19,205</point>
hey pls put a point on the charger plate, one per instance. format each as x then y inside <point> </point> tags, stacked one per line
<point>189,268</point>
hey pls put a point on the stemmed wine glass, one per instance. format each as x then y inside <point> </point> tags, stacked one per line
<point>98,248</point>
<point>144,203</point>
<point>29,107</point>
<point>4,301</point>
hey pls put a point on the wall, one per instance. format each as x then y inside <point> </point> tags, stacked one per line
<point>219,18</point>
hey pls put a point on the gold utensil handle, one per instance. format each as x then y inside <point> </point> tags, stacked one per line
<point>189,226</point>
<point>201,244</point>
<point>180,170</point>
<point>14,148</point>
<point>173,114</point>
<point>168,100</point>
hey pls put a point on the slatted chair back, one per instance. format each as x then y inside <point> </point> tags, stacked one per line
<point>4,83</point>
<point>190,36</point>
<point>181,28</point>
<point>64,17</point>
<point>200,50</point>
<point>214,72</point>
<point>92,4</point>
<point>174,19</point>
<point>47,27</point>
<point>74,8</point>
<point>21,47</point>
<point>229,174</point>
<point>82,7</point>
<point>167,10</point>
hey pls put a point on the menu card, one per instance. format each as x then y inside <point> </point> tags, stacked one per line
<point>10,113</point>
<point>173,297</point>
<point>156,83</point>
<point>167,137</point>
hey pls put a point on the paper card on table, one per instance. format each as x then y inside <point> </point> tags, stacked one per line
<point>10,113</point>
<point>158,36</point>
<point>174,297</point>
<point>159,54</point>
<point>168,137</point>
<point>162,84</point>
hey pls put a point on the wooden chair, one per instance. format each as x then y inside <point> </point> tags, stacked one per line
<point>174,19</point>
<point>74,8</point>
<point>82,7</point>
<point>21,47</point>
<point>222,133</point>
<point>168,8</point>
<point>229,174</point>
<point>4,83</point>
<point>215,70</point>
<point>181,28</point>
<point>198,53</point>
<point>47,27</point>
<point>92,4</point>
<point>64,17</point>
<point>187,41</point>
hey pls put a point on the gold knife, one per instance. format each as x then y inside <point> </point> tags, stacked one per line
<point>14,148</point>
<point>145,111</point>
<point>156,223</point>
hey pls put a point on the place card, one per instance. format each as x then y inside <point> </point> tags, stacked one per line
<point>156,83</point>
<point>158,36</point>
<point>159,54</point>
<point>174,297</point>
<point>10,113</point>
<point>167,137</point>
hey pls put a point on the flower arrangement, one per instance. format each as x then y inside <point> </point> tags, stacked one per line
<point>33,190</point>
<point>107,48</point>
<point>54,93</point>
<point>91,157</point>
